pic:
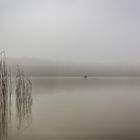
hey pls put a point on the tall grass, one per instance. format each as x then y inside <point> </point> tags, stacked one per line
<point>5,96</point>
<point>23,97</point>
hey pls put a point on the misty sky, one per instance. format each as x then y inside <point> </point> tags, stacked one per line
<point>104,33</point>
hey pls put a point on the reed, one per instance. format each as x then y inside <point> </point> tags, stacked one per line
<point>5,96</point>
<point>23,99</point>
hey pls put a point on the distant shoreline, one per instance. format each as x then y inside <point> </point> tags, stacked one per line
<point>82,77</point>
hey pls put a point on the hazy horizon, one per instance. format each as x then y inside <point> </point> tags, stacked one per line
<point>72,37</point>
<point>38,67</point>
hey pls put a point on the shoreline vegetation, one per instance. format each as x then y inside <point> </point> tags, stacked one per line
<point>23,98</point>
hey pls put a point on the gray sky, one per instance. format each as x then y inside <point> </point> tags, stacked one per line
<point>94,34</point>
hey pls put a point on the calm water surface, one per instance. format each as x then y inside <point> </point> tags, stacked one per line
<point>78,108</point>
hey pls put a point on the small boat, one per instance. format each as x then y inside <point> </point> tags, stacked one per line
<point>85,76</point>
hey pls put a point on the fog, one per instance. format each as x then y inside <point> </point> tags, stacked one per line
<point>83,57</point>
<point>97,37</point>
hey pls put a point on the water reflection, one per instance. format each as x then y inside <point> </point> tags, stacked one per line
<point>84,109</point>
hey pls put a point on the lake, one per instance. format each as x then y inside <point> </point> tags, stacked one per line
<point>79,108</point>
